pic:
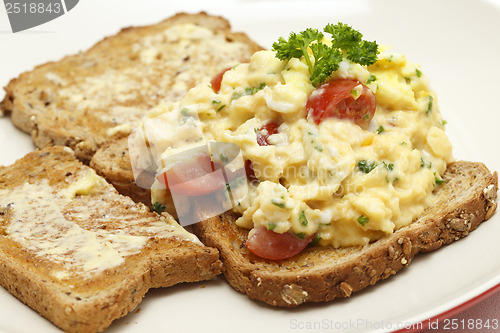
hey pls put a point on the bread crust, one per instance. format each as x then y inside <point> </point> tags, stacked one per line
<point>112,161</point>
<point>320,274</point>
<point>90,302</point>
<point>81,118</point>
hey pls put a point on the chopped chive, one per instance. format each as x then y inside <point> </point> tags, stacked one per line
<point>429,106</point>
<point>316,240</point>
<point>278,203</point>
<point>363,220</point>
<point>371,79</point>
<point>301,235</point>
<point>438,179</point>
<point>366,166</point>
<point>303,218</point>
<point>223,158</point>
<point>388,166</point>
<point>158,207</point>
<point>271,226</point>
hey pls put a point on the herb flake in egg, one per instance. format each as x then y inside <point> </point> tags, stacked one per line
<point>316,240</point>
<point>158,207</point>
<point>429,105</point>
<point>271,226</point>
<point>363,220</point>
<point>438,179</point>
<point>371,79</point>
<point>388,166</point>
<point>301,235</point>
<point>302,218</point>
<point>366,166</point>
<point>248,91</point>
<point>278,203</point>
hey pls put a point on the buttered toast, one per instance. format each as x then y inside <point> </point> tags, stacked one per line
<point>98,96</point>
<point>79,253</point>
<point>317,274</point>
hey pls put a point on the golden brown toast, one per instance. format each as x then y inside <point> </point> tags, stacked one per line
<point>95,97</point>
<point>79,253</point>
<point>112,161</point>
<point>319,274</point>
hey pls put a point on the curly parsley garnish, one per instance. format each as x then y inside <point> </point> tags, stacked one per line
<point>346,42</point>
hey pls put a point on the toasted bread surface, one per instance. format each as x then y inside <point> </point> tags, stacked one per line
<point>94,97</point>
<point>112,161</point>
<point>319,274</point>
<point>79,253</point>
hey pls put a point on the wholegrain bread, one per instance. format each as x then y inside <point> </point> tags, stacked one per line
<point>98,96</point>
<point>79,253</point>
<point>112,161</point>
<point>319,274</point>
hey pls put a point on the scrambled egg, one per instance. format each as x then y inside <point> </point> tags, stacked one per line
<point>348,185</point>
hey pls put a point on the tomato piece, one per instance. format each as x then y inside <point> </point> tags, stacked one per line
<point>342,99</point>
<point>271,245</point>
<point>252,178</point>
<point>216,81</point>
<point>193,177</point>
<point>264,133</point>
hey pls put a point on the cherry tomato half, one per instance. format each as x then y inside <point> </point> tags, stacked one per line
<point>264,133</point>
<point>216,81</point>
<point>271,245</point>
<point>341,99</point>
<point>252,178</point>
<point>192,177</point>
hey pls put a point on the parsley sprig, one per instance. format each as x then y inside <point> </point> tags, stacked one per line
<point>345,42</point>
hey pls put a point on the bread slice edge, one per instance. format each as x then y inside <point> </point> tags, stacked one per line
<point>321,274</point>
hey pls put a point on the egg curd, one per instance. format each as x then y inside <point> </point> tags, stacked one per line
<point>345,184</point>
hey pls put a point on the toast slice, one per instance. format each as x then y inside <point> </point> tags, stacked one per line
<point>79,253</point>
<point>91,98</point>
<point>112,161</point>
<point>320,274</point>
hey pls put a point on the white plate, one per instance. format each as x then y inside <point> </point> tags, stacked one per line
<point>458,46</point>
